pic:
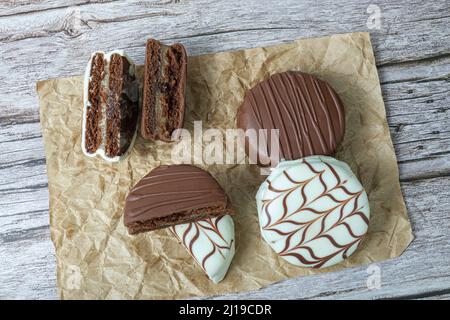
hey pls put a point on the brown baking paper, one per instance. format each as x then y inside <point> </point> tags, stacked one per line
<point>97,259</point>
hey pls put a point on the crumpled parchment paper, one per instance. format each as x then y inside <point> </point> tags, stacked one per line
<point>97,259</point>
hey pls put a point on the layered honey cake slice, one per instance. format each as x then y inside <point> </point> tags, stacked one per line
<point>110,112</point>
<point>163,102</point>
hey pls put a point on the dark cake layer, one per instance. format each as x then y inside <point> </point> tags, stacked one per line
<point>175,78</point>
<point>112,146</point>
<point>96,98</point>
<point>121,109</point>
<point>171,195</point>
<point>177,218</point>
<point>164,87</point>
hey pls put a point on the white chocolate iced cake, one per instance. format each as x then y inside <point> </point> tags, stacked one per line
<point>313,212</point>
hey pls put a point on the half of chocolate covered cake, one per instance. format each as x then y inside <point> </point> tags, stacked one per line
<point>110,112</point>
<point>172,195</point>
<point>163,101</point>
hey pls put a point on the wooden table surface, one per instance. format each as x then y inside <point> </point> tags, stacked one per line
<point>42,39</point>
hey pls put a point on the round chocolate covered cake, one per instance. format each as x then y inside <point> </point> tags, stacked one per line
<point>307,112</point>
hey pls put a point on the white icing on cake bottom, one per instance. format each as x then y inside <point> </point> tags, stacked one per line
<point>210,242</point>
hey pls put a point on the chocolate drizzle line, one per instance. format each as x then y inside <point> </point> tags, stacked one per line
<point>293,249</point>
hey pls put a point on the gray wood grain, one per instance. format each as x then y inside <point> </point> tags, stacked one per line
<point>43,39</point>
<point>443,296</point>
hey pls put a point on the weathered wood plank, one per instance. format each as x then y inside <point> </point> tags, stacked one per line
<point>440,296</point>
<point>418,112</point>
<point>11,8</point>
<point>27,264</point>
<point>43,39</point>
<point>69,35</point>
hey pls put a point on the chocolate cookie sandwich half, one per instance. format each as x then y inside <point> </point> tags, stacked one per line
<point>110,109</point>
<point>313,212</point>
<point>164,90</point>
<point>307,112</point>
<point>171,195</point>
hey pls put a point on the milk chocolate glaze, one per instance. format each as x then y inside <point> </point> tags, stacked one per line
<point>307,111</point>
<point>173,194</point>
